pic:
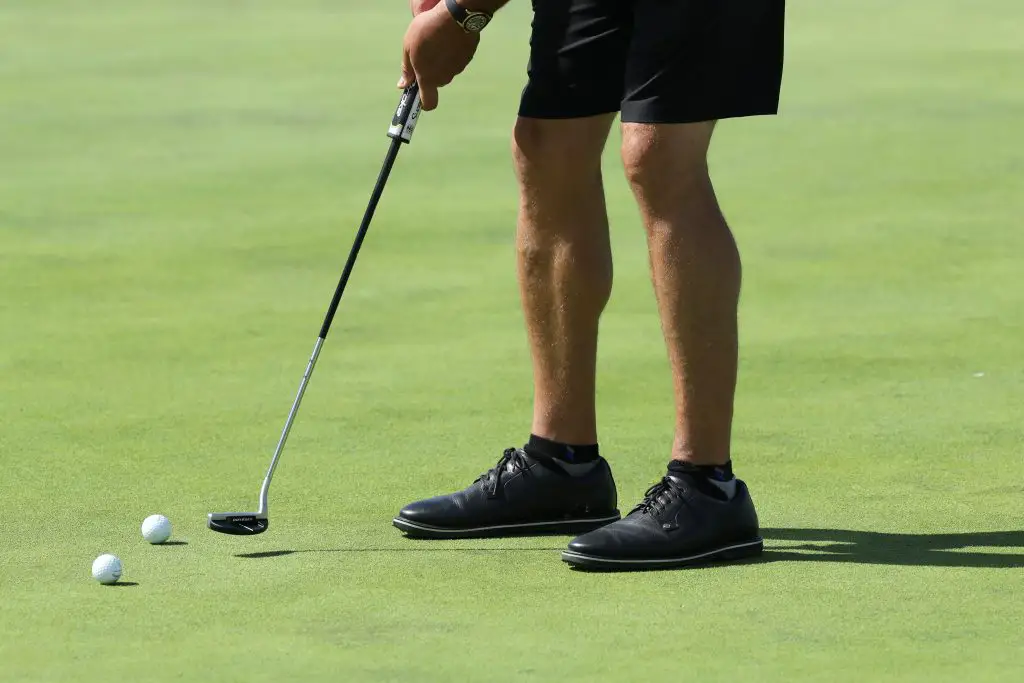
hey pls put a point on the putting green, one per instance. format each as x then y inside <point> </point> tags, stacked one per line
<point>179,186</point>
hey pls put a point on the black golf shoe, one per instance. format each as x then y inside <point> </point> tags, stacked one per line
<point>681,521</point>
<point>521,495</point>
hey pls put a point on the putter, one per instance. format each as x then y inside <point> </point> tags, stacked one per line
<point>402,126</point>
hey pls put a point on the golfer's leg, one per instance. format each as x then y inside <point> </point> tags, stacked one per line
<point>577,70</point>
<point>691,64</point>
<point>565,267</point>
<point>577,60</point>
<point>695,266</point>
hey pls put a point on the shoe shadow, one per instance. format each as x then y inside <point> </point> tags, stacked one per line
<point>914,550</point>
<point>813,545</point>
<point>420,549</point>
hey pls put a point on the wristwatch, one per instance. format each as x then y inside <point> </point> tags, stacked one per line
<point>471,21</point>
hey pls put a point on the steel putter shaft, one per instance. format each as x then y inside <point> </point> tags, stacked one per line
<point>403,124</point>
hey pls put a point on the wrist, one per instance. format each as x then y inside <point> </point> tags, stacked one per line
<point>469,19</point>
<point>486,6</point>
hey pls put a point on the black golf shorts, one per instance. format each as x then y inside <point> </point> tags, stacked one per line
<point>655,61</point>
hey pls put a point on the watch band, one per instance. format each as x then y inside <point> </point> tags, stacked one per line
<point>471,21</point>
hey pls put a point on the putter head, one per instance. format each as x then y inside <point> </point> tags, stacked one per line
<point>238,523</point>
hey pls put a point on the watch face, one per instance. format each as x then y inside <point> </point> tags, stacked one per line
<point>476,22</point>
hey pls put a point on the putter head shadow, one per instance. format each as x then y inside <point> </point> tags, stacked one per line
<point>238,523</point>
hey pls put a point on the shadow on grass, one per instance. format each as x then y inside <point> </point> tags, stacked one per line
<point>420,549</point>
<point>173,543</point>
<point>121,584</point>
<point>914,550</point>
<point>814,545</point>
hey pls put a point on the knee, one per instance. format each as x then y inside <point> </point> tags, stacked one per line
<point>660,160</point>
<point>556,153</point>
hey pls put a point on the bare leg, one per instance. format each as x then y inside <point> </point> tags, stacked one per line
<point>695,266</point>
<point>564,266</point>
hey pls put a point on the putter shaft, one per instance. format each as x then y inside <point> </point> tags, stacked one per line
<point>402,126</point>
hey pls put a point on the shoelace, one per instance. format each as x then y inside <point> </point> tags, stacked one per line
<point>512,460</point>
<point>658,496</point>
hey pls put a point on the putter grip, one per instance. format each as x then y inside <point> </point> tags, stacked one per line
<point>404,122</point>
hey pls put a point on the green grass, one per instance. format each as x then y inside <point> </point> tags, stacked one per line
<point>179,185</point>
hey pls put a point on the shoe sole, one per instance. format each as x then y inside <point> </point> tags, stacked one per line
<point>564,526</point>
<point>736,551</point>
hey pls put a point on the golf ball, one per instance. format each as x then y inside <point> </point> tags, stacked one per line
<point>106,569</point>
<point>156,529</point>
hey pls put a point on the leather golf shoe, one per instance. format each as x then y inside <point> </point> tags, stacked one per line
<point>681,521</point>
<point>522,495</point>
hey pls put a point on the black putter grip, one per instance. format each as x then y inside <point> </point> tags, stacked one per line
<point>408,113</point>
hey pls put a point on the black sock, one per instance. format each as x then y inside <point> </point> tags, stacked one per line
<point>713,480</point>
<point>568,453</point>
<point>716,472</point>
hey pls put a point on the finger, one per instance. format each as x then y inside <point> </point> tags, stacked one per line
<point>428,96</point>
<point>420,6</point>
<point>407,73</point>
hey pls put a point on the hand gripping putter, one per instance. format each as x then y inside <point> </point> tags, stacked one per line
<point>402,126</point>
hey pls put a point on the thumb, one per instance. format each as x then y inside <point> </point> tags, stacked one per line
<point>407,73</point>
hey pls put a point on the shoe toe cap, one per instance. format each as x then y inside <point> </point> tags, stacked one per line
<point>429,510</point>
<point>619,539</point>
<point>419,511</point>
<point>597,542</point>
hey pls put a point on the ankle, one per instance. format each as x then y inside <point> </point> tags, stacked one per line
<point>564,452</point>
<point>717,481</point>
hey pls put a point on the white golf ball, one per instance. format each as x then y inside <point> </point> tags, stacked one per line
<point>106,569</point>
<point>156,529</point>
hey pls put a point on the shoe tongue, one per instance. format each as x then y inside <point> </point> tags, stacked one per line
<point>682,481</point>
